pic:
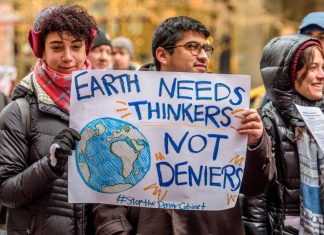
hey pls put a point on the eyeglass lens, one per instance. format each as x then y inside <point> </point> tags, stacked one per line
<point>195,48</point>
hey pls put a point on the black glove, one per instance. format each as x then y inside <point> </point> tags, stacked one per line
<point>66,141</point>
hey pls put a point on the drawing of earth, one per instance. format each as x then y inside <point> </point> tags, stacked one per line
<point>112,155</point>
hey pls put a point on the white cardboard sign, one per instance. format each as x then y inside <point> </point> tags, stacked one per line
<point>314,119</point>
<point>157,139</point>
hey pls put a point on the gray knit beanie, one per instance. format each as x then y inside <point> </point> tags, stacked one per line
<point>122,42</point>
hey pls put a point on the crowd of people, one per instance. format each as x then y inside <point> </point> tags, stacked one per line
<point>282,190</point>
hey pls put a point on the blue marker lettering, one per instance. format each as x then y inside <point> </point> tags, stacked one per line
<point>152,110</point>
<point>218,87</point>
<point>190,145</point>
<point>167,165</point>
<point>136,104</point>
<point>192,175</point>
<point>228,171</point>
<point>218,138</point>
<point>163,111</point>
<point>210,112</point>
<point>186,113</point>
<point>135,82</point>
<point>179,88</point>
<point>168,138</point>
<point>200,89</point>
<point>95,86</point>
<point>212,173</point>
<point>177,173</point>
<point>173,113</point>
<point>198,113</point>
<point>121,81</point>
<point>239,96</point>
<point>169,91</point>
<point>108,84</point>
<point>228,119</point>
<point>78,87</point>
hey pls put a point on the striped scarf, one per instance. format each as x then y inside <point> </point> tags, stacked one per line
<point>311,161</point>
<point>56,85</point>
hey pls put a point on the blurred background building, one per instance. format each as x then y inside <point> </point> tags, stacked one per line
<point>240,29</point>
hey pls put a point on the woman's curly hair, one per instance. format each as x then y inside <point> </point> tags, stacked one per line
<point>70,18</point>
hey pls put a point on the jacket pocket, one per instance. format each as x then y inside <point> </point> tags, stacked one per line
<point>21,220</point>
<point>29,229</point>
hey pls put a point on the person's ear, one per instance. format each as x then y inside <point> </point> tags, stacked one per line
<point>161,55</point>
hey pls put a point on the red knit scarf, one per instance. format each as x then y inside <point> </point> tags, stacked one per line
<point>56,85</point>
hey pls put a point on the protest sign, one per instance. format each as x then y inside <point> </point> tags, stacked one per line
<point>314,120</point>
<point>157,139</point>
<point>8,75</point>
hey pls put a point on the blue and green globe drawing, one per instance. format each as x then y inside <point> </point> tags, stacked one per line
<point>112,155</point>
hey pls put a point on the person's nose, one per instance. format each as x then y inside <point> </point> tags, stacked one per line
<point>105,55</point>
<point>320,74</point>
<point>202,56</point>
<point>116,56</point>
<point>67,54</point>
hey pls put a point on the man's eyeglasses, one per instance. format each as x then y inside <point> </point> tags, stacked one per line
<point>195,48</point>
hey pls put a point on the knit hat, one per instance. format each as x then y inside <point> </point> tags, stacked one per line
<point>293,65</point>
<point>101,39</point>
<point>312,19</point>
<point>34,36</point>
<point>122,42</point>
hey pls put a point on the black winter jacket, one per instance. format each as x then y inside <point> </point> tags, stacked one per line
<point>37,199</point>
<point>265,214</point>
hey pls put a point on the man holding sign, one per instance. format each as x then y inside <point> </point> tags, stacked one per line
<point>180,45</point>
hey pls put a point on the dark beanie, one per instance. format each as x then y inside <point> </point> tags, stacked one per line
<point>101,39</point>
<point>293,65</point>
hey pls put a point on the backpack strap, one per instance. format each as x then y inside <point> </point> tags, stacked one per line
<point>25,113</point>
<point>25,119</point>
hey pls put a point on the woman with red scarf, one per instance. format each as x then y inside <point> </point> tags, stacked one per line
<point>33,169</point>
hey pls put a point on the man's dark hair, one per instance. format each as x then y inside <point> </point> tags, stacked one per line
<point>72,18</point>
<point>171,31</point>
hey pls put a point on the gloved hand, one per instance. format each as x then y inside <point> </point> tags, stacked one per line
<point>62,146</point>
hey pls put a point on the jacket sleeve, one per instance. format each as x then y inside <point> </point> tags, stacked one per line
<point>111,220</point>
<point>255,214</point>
<point>260,169</point>
<point>20,181</point>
